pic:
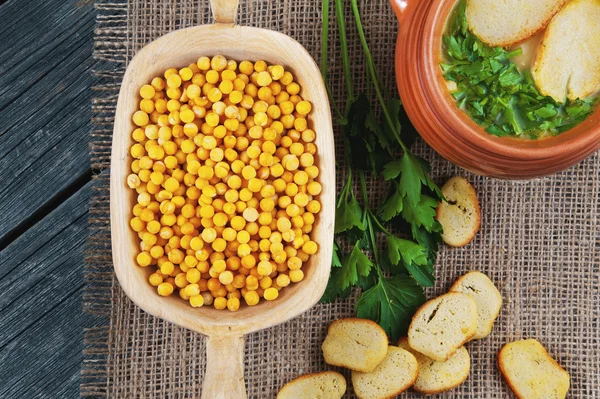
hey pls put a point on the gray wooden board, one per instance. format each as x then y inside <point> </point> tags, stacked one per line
<point>37,275</point>
<point>45,95</point>
<point>41,280</point>
<point>45,361</point>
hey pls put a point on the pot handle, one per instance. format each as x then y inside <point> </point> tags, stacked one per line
<point>224,377</point>
<point>224,11</point>
<point>404,8</point>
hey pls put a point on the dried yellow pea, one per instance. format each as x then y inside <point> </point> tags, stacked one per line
<point>223,165</point>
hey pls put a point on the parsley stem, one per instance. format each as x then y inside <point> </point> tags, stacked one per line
<point>363,186</point>
<point>373,72</point>
<point>379,225</point>
<point>333,103</point>
<point>368,216</point>
<point>324,38</point>
<point>324,54</point>
<point>373,241</point>
<point>347,189</point>
<point>339,12</point>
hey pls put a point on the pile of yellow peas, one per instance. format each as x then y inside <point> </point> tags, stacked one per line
<point>226,181</point>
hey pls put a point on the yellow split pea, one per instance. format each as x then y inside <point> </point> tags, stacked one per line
<point>226,182</point>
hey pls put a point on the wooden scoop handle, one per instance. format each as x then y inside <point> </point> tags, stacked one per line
<point>224,11</point>
<point>224,377</point>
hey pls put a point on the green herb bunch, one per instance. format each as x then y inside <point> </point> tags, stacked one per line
<point>392,280</point>
<point>495,94</point>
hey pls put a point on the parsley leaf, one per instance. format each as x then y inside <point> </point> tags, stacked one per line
<point>423,274</point>
<point>392,206</point>
<point>413,172</point>
<point>405,250</point>
<point>335,262</point>
<point>334,290</point>
<point>348,215</point>
<point>366,282</point>
<point>428,240</point>
<point>414,259</point>
<point>423,214</point>
<point>365,138</point>
<point>353,265</point>
<point>391,304</point>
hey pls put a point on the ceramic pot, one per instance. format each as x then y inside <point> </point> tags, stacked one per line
<point>450,131</point>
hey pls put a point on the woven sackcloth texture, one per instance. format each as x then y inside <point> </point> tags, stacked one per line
<point>539,242</point>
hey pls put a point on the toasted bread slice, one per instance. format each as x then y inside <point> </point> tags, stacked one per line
<point>397,373</point>
<point>567,64</point>
<point>489,301</point>
<point>442,325</point>
<point>459,215</point>
<point>530,371</point>
<point>503,23</point>
<point>435,377</point>
<point>356,344</point>
<point>325,385</point>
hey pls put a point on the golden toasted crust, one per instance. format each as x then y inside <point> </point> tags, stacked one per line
<point>442,325</point>
<point>327,384</point>
<point>486,295</point>
<point>504,23</point>
<point>567,64</point>
<point>436,377</point>
<point>460,214</point>
<point>356,344</point>
<point>394,375</point>
<point>531,372</point>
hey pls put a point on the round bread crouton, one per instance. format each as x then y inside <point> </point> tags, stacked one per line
<point>356,344</point>
<point>507,22</point>
<point>530,371</point>
<point>567,64</point>
<point>435,377</point>
<point>459,215</point>
<point>398,372</point>
<point>442,325</point>
<point>489,300</point>
<point>325,385</point>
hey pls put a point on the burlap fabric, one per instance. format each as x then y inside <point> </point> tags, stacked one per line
<point>539,239</point>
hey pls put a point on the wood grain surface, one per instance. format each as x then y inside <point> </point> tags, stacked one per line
<point>45,119</point>
<point>45,97</point>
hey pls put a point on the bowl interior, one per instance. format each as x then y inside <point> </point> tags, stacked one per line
<point>179,49</point>
<point>586,133</point>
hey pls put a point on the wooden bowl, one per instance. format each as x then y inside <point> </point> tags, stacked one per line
<point>225,330</point>
<point>450,131</point>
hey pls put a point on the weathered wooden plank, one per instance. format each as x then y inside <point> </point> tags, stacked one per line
<point>37,276</point>
<point>45,79</point>
<point>45,105</point>
<point>16,254</point>
<point>45,361</point>
<point>41,280</point>
<point>50,92</point>
<point>46,163</point>
<point>36,37</point>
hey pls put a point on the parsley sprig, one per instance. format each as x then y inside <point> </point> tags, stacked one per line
<point>392,279</point>
<point>495,94</point>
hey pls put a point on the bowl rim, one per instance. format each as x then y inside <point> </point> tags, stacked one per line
<point>234,42</point>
